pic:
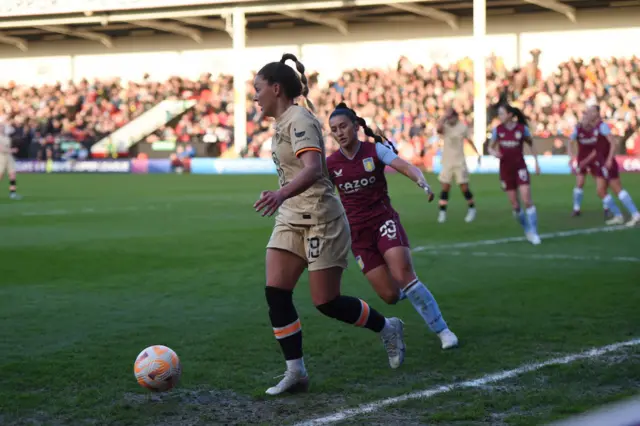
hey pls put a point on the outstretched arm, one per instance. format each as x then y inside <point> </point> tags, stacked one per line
<point>391,159</point>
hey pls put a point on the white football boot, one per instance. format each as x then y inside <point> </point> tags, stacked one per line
<point>471,215</point>
<point>15,196</point>
<point>635,220</point>
<point>393,340</point>
<point>448,339</point>
<point>533,238</point>
<point>293,381</point>
<point>442,216</point>
<point>616,220</point>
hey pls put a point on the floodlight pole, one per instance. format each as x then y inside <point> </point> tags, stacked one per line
<point>479,74</point>
<point>240,74</point>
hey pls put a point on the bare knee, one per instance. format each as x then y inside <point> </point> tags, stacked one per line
<point>404,274</point>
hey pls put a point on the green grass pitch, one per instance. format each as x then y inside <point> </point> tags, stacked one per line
<point>94,268</point>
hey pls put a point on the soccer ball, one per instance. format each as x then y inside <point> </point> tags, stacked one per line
<point>157,368</point>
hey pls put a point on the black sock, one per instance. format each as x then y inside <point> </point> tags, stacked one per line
<point>12,186</point>
<point>444,200</point>
<point>353,311</point>
<point>285,322</point>
<point>469,197</point>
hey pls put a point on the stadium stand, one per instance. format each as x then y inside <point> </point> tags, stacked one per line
<point>404,103</point>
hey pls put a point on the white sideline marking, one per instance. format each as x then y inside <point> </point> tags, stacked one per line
<point>475,383</point>
<point>548,236</point>
<point>91,210</point>
<point>548,256</point>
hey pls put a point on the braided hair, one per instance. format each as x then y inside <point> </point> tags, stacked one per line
<point>292,84</point>
<point>343,109</point>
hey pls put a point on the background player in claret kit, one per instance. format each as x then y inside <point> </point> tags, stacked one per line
<point>454,134</point>
<point>606,147</point>
<point>311,230</point>
<point>507,141</point>
<point>378,240</point>
<point>588,134</point>
<point>7,162</point>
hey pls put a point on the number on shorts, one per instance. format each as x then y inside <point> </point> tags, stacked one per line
<point>605,173</point>
<point>389,230</point>
<point>524,176</point>
<point>314,247</point>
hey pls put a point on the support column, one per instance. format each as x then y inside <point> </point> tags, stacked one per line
<point>240,74</point>
<point>479,74</point>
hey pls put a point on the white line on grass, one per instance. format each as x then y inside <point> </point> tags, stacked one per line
<point>547,256</point>
<point>491,378</point>
<point>551,235</point>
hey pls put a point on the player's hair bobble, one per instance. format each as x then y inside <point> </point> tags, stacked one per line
<point>343,109</point>
<point>303,78</point>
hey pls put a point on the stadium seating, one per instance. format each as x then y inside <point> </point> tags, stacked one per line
<point>404,103</point>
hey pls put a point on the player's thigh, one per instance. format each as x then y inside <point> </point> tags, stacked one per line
<point>601,186</point>
<point>11,168</point>
<point>328,247</point>
<point>525,194</point>
<point>512,196</point>
<point>462,175</point>
<point>286,258</point>
<point>383,284</point>
<point>446,174</point>
<point>615,184</point>
<point>398,259</point>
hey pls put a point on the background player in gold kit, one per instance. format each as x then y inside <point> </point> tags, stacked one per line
<point>454,135</point>
<point>311,230</point>
<point>7,162</point>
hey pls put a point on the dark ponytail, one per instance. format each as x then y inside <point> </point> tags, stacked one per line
<point>343,109</point>
<point>517,112</point>
<point>293,85</point>
<point>303,78</point>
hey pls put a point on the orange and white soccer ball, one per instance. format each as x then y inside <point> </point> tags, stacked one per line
<point>157,368</point>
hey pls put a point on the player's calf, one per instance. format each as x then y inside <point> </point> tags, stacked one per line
<point>628,203</point>
<point>444,202</point>
<point>578,194</point>
<point>425,304</point>
<point>471,213</point>
<point>12,188</point>
<point>288,332</point>
<point>352,310</point>
<point>610,204</point>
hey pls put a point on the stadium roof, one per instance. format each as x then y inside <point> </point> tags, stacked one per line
<point>104,20</point>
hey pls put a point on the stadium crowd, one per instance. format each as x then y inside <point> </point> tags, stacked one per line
<point>404,103</point>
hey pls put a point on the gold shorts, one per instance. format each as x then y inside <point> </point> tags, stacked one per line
<point>7,164</point>
<point>323,246</point>
<point>458,171</point>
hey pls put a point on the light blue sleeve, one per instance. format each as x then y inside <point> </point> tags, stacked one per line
<point>574,134</point>
<point>494,134</point>
<point>527,132</point>
<point>385,154</point>
<point>604,129</point>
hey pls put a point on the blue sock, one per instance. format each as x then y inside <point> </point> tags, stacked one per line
<point>626,200</point>
<point>577,198</point>
<point>611,205</point>
<point>403,295</point>
<point>519,215</point>
<point>426,305</point>
<point>532,218</point>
